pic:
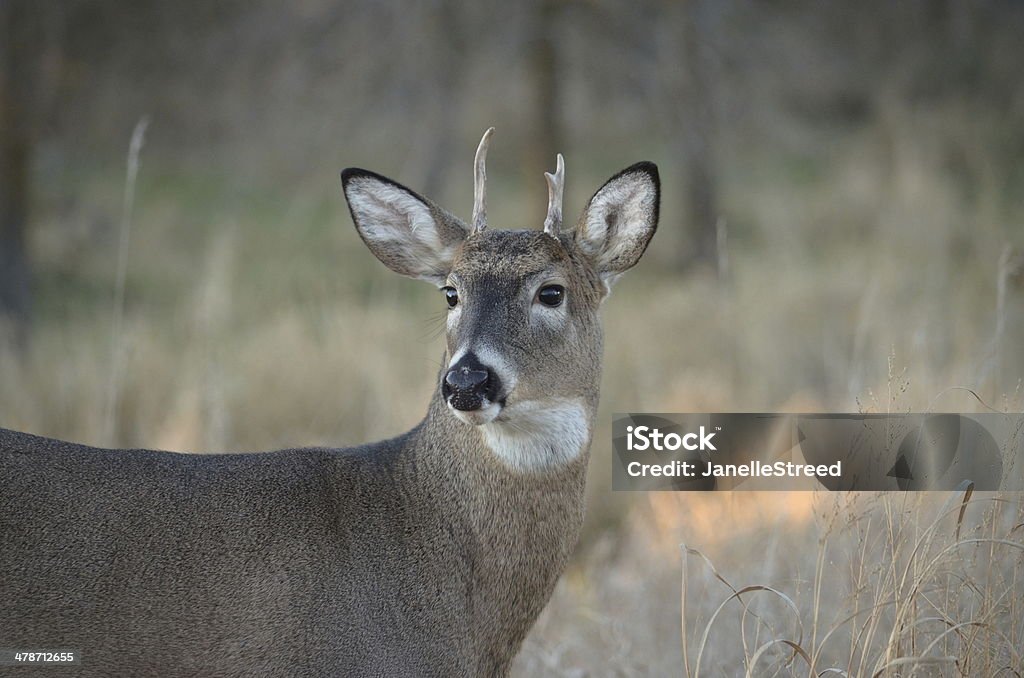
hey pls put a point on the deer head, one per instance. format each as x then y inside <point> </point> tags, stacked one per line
<point>523,337</point>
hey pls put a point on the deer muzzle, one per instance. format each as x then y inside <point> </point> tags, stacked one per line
<point>470,385</point>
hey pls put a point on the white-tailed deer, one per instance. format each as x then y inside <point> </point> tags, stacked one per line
<point>430,554</point>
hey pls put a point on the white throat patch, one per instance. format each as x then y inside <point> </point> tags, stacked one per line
<point>539,435</point>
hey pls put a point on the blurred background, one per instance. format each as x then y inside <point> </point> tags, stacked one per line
<point>843,200</point>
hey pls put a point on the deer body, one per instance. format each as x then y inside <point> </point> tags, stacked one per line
<point>428,554</point>
<point>253,563</point>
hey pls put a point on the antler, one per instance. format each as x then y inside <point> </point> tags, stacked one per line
<point>556,187</point>
<point>480,183</point>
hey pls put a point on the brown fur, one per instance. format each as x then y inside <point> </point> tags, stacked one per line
<point>423,555</point>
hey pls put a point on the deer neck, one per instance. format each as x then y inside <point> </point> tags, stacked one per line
<point>522,519</point>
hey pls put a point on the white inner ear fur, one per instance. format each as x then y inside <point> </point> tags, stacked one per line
<point>630,203</point>
<point>389,217</point>
<point>539,435</point>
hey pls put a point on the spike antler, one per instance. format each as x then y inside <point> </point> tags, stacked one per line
<point>480,183</point>
<point>556,187</point>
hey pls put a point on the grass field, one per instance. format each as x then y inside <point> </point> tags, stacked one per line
<point>860,278</point>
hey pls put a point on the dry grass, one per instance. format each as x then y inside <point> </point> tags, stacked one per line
<point>848,585</point>
<point>254,318</point>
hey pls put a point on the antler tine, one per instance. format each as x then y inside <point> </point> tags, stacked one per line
<point>480,183</point>
<point>556,188</point>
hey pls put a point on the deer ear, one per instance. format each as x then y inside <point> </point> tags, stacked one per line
<point>620,220</point>
<point>407,232</point>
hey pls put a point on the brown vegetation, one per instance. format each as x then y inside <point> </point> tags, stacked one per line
<point>867,169</point>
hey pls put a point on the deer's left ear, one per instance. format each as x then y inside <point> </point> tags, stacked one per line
<point>620,220</point>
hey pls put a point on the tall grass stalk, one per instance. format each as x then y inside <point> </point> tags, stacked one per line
<point>117,320</point>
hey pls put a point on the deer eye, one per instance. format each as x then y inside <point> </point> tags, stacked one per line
<point>551,295</point>
<point>451,296</point>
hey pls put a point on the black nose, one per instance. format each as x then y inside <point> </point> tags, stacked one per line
<point>467,383</point>
<point>465,379</point>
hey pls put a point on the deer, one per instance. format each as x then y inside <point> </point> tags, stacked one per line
<point>429,554</point>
